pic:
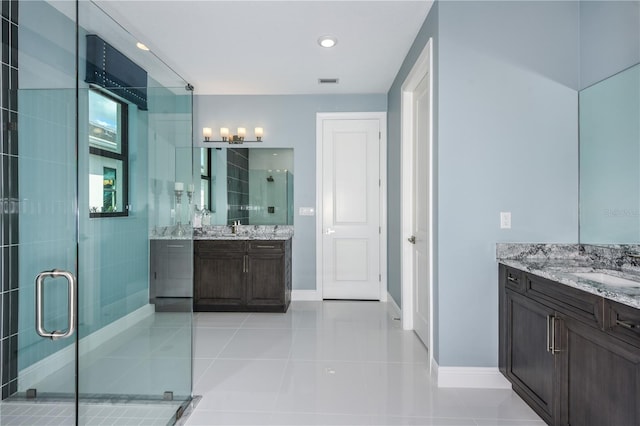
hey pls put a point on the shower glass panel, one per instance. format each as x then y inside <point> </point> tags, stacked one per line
<point>130,350</point>
<point>122,351</point>
<point>47,194</point>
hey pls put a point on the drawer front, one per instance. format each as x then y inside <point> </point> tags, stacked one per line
<point>623,322</point>
<point>514,279</point>
<point>570,301</point>
<point>220,246</point>
<point>266,246</point>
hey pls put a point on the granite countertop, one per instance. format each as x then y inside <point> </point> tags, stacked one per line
<point>215,232</point>
<point>245,232</point>
<point>560,268</point>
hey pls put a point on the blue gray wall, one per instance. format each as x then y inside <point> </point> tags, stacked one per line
<point>395,238</point>
<point>609,39</point>
<point>506,140</point>
<point>288,122</point>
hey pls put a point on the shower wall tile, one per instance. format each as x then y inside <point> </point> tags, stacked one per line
<point>6,43</point>
<point>238,185</point>
<point>9,197</point>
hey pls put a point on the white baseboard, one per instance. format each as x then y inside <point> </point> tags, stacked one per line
<point>433,368</point>
<point>397,312</point>
<point>470,377</point>
<point>300,295</point>
<point>35,373</point>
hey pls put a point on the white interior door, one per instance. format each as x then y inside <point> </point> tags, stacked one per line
<point>421,210</point>
<point>351,209</point>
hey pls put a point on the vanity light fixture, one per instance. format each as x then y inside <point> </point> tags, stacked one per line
<point>238,138</point>
<point>142,46</point>
<point>327,41</point>
<point>206,132</point>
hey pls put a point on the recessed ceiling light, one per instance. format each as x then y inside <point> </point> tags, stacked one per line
<point>327,41</point>
<point>142,46</point>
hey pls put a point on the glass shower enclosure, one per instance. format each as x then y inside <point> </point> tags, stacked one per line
<point>97,172</point>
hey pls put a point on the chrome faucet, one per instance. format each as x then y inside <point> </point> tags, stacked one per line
<point>234,227</point>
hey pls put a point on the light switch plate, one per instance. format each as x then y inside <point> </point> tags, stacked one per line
<point>505,220</point>
<point>307,211</point>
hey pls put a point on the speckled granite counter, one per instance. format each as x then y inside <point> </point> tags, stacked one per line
<point>215,232</point>
<point>245,232</point>
<point>559,262</point>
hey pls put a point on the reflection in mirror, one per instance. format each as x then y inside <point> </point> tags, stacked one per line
<point>610,160</point>
<point>250,185</point>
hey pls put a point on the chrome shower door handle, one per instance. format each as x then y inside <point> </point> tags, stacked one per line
<point>72,285</point>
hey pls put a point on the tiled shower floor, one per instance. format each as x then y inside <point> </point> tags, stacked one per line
<point>147,358</point>
<point>63,413</point>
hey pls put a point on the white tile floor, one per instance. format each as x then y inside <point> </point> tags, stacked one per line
<point>329,363</point>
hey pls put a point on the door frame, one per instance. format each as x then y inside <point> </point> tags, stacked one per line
<point>422,67</point>
<point>382,119</point>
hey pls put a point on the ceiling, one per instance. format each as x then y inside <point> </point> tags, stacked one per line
<point>271,47</point>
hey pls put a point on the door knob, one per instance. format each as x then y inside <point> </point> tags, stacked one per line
<point>330,231</point>
<point>412,239</point>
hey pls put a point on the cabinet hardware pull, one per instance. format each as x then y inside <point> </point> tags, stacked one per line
<point>175,246</point>
<point>266,247</point>
<point>549,345</point>
<point>513,280</point>
<point>553,335</point>
<point>627,325</point>
<point>552,347</point>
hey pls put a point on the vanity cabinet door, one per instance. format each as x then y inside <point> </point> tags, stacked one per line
<point>219,281</point>
<point>599,377</point>
<point>530,362</point>
<point>268,275</point>
<point>265,278</point>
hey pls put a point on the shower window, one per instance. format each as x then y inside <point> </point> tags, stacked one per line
<point>108,156</point>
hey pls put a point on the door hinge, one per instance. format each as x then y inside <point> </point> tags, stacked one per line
<point>380,182</point>
<point>155,275</point>
<point>379,229</point>
<point>379,135</point>
<point>380,278</point>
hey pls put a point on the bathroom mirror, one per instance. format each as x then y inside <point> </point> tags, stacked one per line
<point>610,160</point>
<point>250,185</point>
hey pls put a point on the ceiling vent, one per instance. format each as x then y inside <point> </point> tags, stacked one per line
<point>328,81</point>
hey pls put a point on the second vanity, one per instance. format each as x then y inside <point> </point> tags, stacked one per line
<point>570,333</point>
<point>244,271</point>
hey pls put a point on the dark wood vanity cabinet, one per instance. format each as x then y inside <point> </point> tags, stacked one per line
<point>242,276</point>
<point>530,365</point>
<point>562,350</point>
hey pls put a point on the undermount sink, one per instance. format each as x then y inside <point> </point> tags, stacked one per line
<point>610,280</point>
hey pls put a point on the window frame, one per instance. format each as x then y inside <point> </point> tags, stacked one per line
<point>123,156</point>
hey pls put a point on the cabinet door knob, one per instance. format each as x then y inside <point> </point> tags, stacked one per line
<point>412,239</point>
